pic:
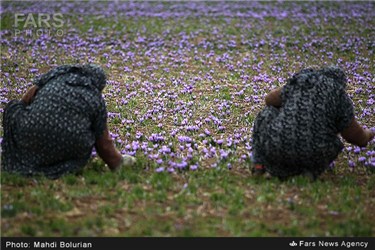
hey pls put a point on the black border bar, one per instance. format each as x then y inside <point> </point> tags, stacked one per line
<point>192,243</point>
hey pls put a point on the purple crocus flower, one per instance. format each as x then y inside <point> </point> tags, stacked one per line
<point>193,167</point>
<point>165,150</point>
<point>351,164</point>
<point>156,138</point>
<point>181,165</point>
<point>160,169</point>
<point>185,139</point>
<point>171,170</point>
<point>220,141</point>
<point>362,159</point>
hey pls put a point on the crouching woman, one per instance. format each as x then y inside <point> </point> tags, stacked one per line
<point>53,129</point>
<point>297,132</point>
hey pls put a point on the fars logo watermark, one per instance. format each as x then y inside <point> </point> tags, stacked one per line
<point>37,24</point>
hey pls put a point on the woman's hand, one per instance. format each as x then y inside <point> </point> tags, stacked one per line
<point>273,98</point>
<point>29,96</point>
<point>356,134</point>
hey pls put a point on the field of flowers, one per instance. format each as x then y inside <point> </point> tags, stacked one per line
<point>186,80</point>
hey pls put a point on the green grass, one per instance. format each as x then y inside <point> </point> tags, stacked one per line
<point>216,202</point>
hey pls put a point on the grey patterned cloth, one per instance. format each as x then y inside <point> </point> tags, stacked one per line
<point>56,133</point>
<point>302,135</point>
